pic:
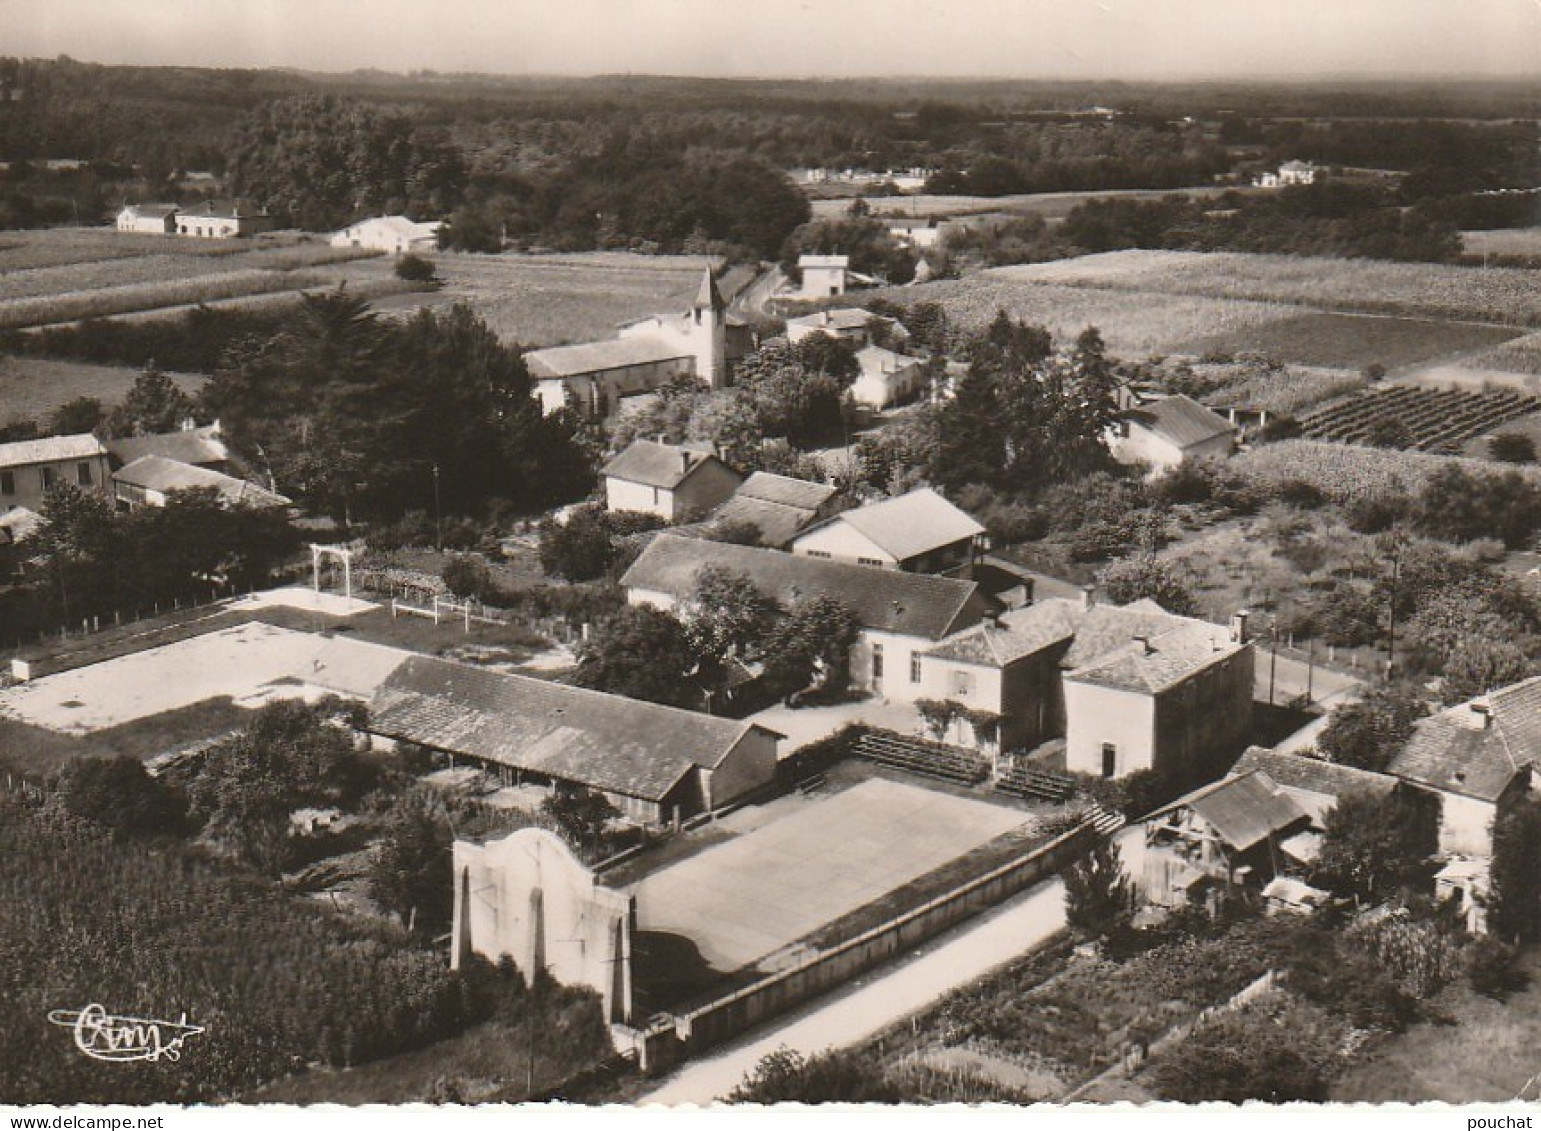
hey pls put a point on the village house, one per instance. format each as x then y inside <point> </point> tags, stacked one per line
<point>1226,840</point>
<point>28,468</point>
<point>1289,173</point>
<point>150,219</point>
<point>886,378</point>
<point>675,482</point>
<point>222,220</point>
<point>919,532</point>
<point>149,480</point>
<point>657,765</point>
<point>1167,431</point>
<point>594,377</point>
<point>1315,784</point>
<point>198,446</point>
<point>849,324</point>
<point>780,506</point>
<point>823,276</point>
<point>900,618</point>
<point>395,235</point>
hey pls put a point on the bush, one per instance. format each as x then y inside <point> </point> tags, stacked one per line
<point>1491,966</point>
<point>416,269</point>
<point>1512,447</point>
<point>118,794</point>
<point>467,576</point>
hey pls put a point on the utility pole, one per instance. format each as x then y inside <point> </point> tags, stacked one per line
<point>1273,656</point>
<point>1396,579</point>
<point>438,513</point>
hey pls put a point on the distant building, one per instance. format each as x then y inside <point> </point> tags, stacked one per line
<point>1167,431</point>
<point>780,506</point>
<point>823,275</point>
<point>887,378</point>
<point>149,480</point>
<point>849,324</point>
<point>1289,173</point>
<point>151,219</point>
<point>676,483</point>
<point>200,447</point>
<point>919,532</point>
<point>918,232</point>
<point>222,220</point>
<point>28,468</point>
<point>395,235</point>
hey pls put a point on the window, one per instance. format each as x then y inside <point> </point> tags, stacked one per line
<point>817,553</point>
<point>83,474</point>
<point>915,668</point>
<point>7,483</point>
<point>877,663</point>
<point>1109,759</point>
<point>962,683</point>
<point>871,562</point>
<point>50,477</point>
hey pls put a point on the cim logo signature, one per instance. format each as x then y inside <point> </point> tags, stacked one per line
<point>102,1036</point>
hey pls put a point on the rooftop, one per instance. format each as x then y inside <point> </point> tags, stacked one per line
<point>190,445</point>
<point>157,473</point>
<point>1243,810</point>
<point>910,525</point>
<point>48,449</point>
<point>656,465</point>
<point>824,261</point>
<point>909,604</point>
<point>1477,748</point>
<point>401,226</point>
<point>1314,775</point>
<point>1180,420</point>
<point>876,359</point>
<point>843,318</point>
<point>606,742</point>
<point>158,211</point>
<point>1018,633</point>
<point>785,490</point>
<point>1158,662</point>
<point>592,357</point>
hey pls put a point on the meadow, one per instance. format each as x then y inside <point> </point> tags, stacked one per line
<point>1503,241</point>
<point>1345,341</point>
<point>32,388</point>
<point>1050,205</point>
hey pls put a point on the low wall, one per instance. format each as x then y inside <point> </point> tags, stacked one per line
<point>720,1020</point>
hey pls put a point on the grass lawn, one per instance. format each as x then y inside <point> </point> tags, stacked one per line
<point>35,752</point>
<point>1485,1053</point>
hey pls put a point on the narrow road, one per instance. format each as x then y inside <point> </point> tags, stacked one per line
<point>880,998</point>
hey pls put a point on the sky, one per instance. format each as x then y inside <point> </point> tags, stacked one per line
<point>1093,39</point>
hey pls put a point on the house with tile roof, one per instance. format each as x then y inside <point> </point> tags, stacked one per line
<point>900,618</point>
<point>919,532</point>
<point>823,276</point>
<point>395,235</point>
<point>222,220</point>
<point>886,377</point>
<point>148,219</point>
<point>149,480</point>
<point>200,447</point>
<point>779,506</point>
<point>1315,784</point>
<point>1164,432</point>
<point>676,482</point>
<point>656,764</point>
<point>1477,758</point>
<point>848,323</point>
<point>28,468</point>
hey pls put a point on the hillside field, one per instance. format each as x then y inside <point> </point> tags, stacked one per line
<point>32,388</point>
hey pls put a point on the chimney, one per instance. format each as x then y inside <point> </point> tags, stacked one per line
<point>1088,596</point>
<point>1027,591</point>
<point>684,461</point>
<point>1144,643</point>
<point>1239,626</point>
<point>824,317</point>
<point>993,618</point>
<point>1484,713</point>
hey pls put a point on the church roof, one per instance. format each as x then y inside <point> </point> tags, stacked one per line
<point>709,295</point>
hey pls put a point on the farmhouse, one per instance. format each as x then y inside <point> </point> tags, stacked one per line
<point>200,447</point>
<point>823,275</point>
<point>594,377</point>
<point>919,532</point>
<point>222,220</point>
<point>848,324</point>
<point>886,377</point>
<point>656,764</point>
<point>148,480</point>
<point>28,468</point>
<point>394,235</point>
<point>152,219</point>
<point>676,483</point>
<point>901,617</point>
<point>782,507</point>
<point>1229,837</point>
<point>1169,430</point>
<point>919,232</point>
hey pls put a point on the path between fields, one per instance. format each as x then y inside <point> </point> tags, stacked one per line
<point>878,999</point>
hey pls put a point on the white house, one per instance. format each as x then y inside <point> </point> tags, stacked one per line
<point>151,219</point>
<point>395,235</point>
<point>1166,431</point>
<point>849,324</point>
<point>222,220</point>
<point>1289,173</point>
<point>887,377</point>
<point>676,483</point>
<point>919,532</point>
<point>28,468</point>
<point>823,275</point>
<point>918,232</point>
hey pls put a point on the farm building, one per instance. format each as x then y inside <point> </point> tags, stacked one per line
<point>704,341</point>
<point>150,219</point>
<point>222,220</point>
<point>918,232</point>
<point>1289,173</point>
<point>1169,430</point>
<point>1228,838</point>
<point>150,479</point>
<point>394,235</point>
<point>886,377</point>
<point>849,324</point>
<point>200,447</point>
<point>919,532</point>
<point>1315,784</point>
<point>676,483</point>
<point>823,275</point>
<point>901,617</point>
<point>782,507</point>
<point>656,764</point>
<point>28,468</point>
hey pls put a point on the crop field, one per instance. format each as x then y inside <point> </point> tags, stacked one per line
<point>1049,205</point>
<point>1498,294</point>
<point>1348,471</point>
<point>32,388</point>
<point>1517,355</point>
<point>1503,241</point>
<point>542,300</point>
<point>1292,389</point>
<point>1433,420</point>
<point>1346,341</point>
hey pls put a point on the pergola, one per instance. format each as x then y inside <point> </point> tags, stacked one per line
<point>319,554</point>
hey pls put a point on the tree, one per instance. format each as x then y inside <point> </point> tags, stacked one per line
<point>1514,876</point>
<point>580,549</point>
<point>120,795</point>
<point>840,1076</point>
<point>411,874</point>
<point>416,269</point>
<point>83,414</point>
<point>1145,576</point>
<point>642,653</point>
<point>582,815</point>
<point>728,615</point>
<point>1370,732</point>
<point>1512,447</point>
<point>1099,899</point>
<point>1372,843</point>
<point>154,405</point>
<point>809,650</point>
<point>1480,664</point>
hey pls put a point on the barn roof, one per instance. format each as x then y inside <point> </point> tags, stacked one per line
<point>908,604</point>
<point>778,523</point>
<point>20,453</point>
<point>1313,775</point>
<point>156,473</point>
<point>909,525</point>
<point>606,742</point>
<point>190,445</point>
<point>595,357</point>
<point>1180,420</point>
<point>1242,810</point>
<point>657,465</point>
<point>1477,748</point>
<point>785,490</point>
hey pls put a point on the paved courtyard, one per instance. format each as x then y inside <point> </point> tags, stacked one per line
<point>812,862</point>
<point>250,663</point>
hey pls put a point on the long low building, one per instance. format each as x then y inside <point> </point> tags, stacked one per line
<point>656,764</point>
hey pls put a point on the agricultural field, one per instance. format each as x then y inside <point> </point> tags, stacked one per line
<point>1290,389</point>
<point>1424,419</point>
<point>543,300</point>
<point>1518,355</point>
<point>32,388</point>
<point>65,274</point>
<point>1498,294</point>
<point>1503,241</point>
<point>1051,206</point>
<point>1347,341</point>
<point>1343,472</point>
<point>1530,426</point>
